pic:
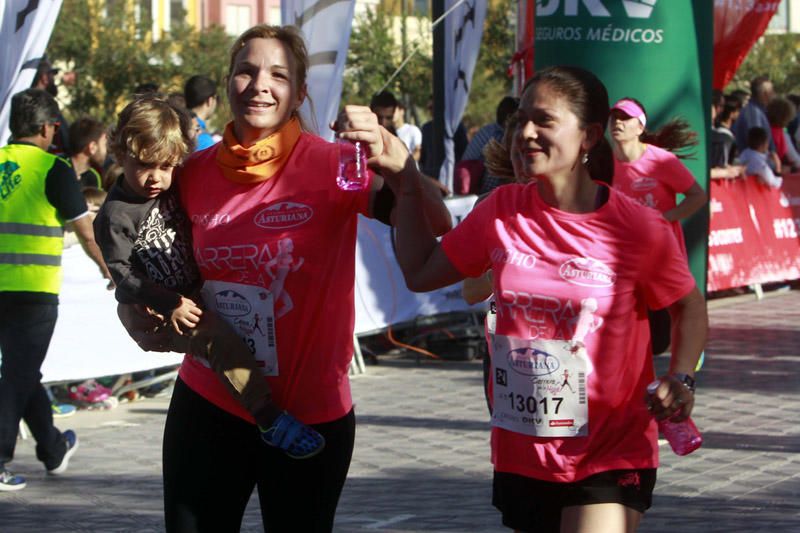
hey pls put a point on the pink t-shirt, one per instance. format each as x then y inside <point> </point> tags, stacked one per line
<point>294,234</point>
<point>562,276</point>
<point>654,179</point>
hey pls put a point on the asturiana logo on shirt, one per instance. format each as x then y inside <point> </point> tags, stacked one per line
<point>644,184</point>
<point>283,215</point>
<point>532,362</point>
<point>231,303</point>
<point>587,272</point>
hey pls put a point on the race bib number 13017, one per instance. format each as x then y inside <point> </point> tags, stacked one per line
<point>540,387</point>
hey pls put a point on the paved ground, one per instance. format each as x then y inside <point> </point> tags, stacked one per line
<point>421,459</point>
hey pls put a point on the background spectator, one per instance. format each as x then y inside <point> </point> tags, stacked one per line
<point>723,142</point>
<point>717,102</point>
<point>147,87</point>
<point>781,111</point>
<point>754,158</point>
<point>754,113</point>
<point>46,80</point>
<point>494,131</point>
<point>792,127</point>
<point>408,133</point>
<point>200,93</point>
<point>88,148</point>
<point>384,104</point>
<point>739,95</point>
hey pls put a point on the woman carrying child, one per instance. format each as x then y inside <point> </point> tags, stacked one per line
<point>267,183</point>
<point>144,236</point>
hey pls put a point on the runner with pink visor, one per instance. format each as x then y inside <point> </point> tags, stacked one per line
<point>632,109</point>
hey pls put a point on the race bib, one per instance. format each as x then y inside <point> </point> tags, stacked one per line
<point>540,387</point>
<point>249,310</point>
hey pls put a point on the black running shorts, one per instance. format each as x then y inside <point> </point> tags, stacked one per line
<point>530,504</point>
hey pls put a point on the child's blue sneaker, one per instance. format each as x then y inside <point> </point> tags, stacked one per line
<point>293,437</point>
<point>9,482</point>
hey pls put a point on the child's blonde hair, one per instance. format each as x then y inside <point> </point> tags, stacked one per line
<point>153,131</point>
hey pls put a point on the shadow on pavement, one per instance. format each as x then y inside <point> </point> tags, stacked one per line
<point>760,443</point>
<point>418,422</point>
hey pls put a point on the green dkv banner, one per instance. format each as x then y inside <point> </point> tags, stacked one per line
<point>657,51</point>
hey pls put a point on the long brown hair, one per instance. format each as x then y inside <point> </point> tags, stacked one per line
<point>675,136</point>
<point>497,155</point>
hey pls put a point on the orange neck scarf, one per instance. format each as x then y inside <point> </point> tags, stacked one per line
<point>258,162</point>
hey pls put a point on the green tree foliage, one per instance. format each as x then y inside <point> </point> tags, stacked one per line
<point>777,56</point>
<point>375,54</point>
<point>371,59</point>
<point>111,54</point>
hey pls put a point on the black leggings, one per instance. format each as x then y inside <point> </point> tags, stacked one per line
<point>213,460</point>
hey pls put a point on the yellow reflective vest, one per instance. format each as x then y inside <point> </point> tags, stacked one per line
<point>31,233</point>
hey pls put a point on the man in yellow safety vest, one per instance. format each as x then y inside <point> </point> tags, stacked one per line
<point>39,195</point>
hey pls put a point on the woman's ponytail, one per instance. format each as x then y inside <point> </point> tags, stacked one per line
<point>675,136</point>
<point>601,161</point>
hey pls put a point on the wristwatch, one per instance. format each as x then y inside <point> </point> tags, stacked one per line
<point>686,379</point>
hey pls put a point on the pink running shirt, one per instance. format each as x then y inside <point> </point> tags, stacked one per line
<point>240,230</point>
<point>654,179</point>
<point>557,274</point>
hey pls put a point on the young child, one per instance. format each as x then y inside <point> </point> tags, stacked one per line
<point>754,158</point>
<point>145,238</point>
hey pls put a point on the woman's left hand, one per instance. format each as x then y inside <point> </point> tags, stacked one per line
<point>672,399</point>
<point>146,328</point>
<point>389,156</point>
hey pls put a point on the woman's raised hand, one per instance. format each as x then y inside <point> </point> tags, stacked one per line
<point>389,156</point>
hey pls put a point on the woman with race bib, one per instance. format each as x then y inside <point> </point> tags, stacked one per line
<point>647,169</point>
<point>274,239</point>
<point>576,266</point>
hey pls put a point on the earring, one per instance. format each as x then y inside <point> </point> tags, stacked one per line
<point>585,158</point>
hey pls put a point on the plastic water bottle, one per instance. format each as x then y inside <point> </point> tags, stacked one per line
<point>683,437</point>
<point>353,174</point>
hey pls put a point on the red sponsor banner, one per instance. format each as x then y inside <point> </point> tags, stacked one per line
<point>754,234</point>
<point>738,24</point>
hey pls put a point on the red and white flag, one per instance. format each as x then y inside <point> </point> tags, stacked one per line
<point>738,24</point>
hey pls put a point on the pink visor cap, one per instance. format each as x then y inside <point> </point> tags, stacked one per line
<point>632,109</point>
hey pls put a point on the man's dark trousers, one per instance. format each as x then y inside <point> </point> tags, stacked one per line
<point>25,333</point>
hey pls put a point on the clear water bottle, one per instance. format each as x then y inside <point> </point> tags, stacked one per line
<point>353,174</point>
<point>683,437</point>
